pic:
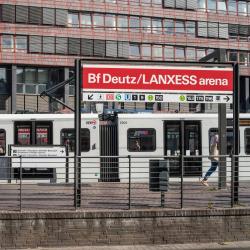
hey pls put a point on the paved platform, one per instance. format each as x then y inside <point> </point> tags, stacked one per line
<point>201,246</point>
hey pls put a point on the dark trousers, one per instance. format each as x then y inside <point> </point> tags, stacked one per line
<point>214,165</point>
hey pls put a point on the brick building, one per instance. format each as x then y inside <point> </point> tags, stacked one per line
<point>41,39</point>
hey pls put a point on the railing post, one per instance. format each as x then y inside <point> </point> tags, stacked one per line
<point>20,183</point>
<point>232,180</point>
<point>182,164</point>
<point>129,182</point>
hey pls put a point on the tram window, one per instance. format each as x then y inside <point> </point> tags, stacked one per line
<point>214,131</point>
<point>141,139</point>
<point>23,134</point>
<point>68,139</point>
<point>43,135</point>
<point>247,141</point>
<point>2,142</point>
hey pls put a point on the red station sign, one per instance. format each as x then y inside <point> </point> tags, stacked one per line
<point>164,79</point>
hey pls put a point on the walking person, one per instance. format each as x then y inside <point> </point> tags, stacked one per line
<point>214,157</point>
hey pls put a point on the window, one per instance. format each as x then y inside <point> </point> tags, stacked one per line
<point>2,142</point>
<point>68,139</point>
<point>43,135</point>
<point>232,9</point>
<point>179,54</point>
<point>179,28</point>
<point>122,23</point>
<point>156,26</point>
<point>247,141</point>
<point>229,145</point>
<point>86,20</point>
<point>30,75</point>
<point>23,135</point>
<point>169,26</point>
<point>168,53</point>
<point>110,22</point>
<point>134,24</point>
<point>134,50</point>
<point>141,139</point>
<point>21,43</point>
<point>146,25</point>
<point>190,54</point>
<point>190,28</point>
<point>7,42</point>
<point>157,2</point>
<point>200,53</point>
<point>98,21</point>
<point>221,5</point>
<point>202,5</point>
<point>211,5</point>
<point>242,8</point>
<point>3,81</point>
<point>42,79</point>
<point>157,52</point>
<point>145,51</point>
<point>243,58</point>
<point>73,20</point>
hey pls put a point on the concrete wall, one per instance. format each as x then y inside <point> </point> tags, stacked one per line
<point>47,229</point>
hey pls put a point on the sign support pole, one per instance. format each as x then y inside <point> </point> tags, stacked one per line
<point>222,129</point>
<point>236,108</point>
<point>77,121</point>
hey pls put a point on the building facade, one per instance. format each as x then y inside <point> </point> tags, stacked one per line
<point>41,39</point>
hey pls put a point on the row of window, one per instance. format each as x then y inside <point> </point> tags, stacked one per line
<point>139,140</point>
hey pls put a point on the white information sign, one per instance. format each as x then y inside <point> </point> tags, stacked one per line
<point>142,97</point>
<point>51,157</point>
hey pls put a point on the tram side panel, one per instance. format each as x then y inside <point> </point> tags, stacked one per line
<point>142,140</point>
<point>90,162</point>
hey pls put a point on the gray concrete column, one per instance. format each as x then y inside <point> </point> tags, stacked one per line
<point>66,87</point>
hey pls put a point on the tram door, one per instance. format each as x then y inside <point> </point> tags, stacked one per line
<point>183,138</point>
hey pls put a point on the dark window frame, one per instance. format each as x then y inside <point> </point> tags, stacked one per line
<point>4,144</point>
<point>138,138</point>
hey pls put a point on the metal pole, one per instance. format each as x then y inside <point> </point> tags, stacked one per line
<point>182,163</point>
<point>77,120</point>
<point>236,108</point>
<point>232,180</point>
<point>20,173</point>
<point>129,182</point>
<point>182,158</point>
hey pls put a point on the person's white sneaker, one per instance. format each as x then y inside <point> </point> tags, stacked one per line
<point>204,183</point>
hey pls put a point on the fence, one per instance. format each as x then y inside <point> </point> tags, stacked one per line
<point>124,182</point>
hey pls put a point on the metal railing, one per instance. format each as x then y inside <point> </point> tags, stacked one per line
<point>124,182</point>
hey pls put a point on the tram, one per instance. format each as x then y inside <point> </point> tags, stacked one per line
<point>142,136</point>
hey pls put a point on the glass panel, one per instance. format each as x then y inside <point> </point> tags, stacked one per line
<point>247,141</point>
<point>202,5</point>
<point>169,26</point>
<point>43,76</point>
<point>2,142</point>
<point>30,88</point>
<point>110,1</point>
<point>42,134</point>
<point>146,51</point>
<point>157,2</point>
<point>122,23</point>
<point>110,22</point>
<point>200,53</point>
<point>242,8</point>
<point>134,2</point>
<point>145,2</point>
<point>98,21</point>
<point>30,75</point>
<point>190,28</point>
<point>19,88</point>
<point>41,88</point>
<point>73,20</point>
<point>232,9</point>
<point>233,56</point>
<point>86,20</point>
<point>3,81</point>
<point>146,25</point>
<point>134,50</point>
<point>190,54</point>
<point>134,24</point>
<point>68,139</point>
<point>169,52</point>
<point>7,42</point>
<point>156,26</point>
<point>222,6</point>
<point>180,54</point>
<point>179,28</point>
<point>243,58</point>
<point>23,135</point>
<point>20,75</point>
<point>141,139</point>
<point>157,52</point>
<point>21,43</point>
<point>211,5</point>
